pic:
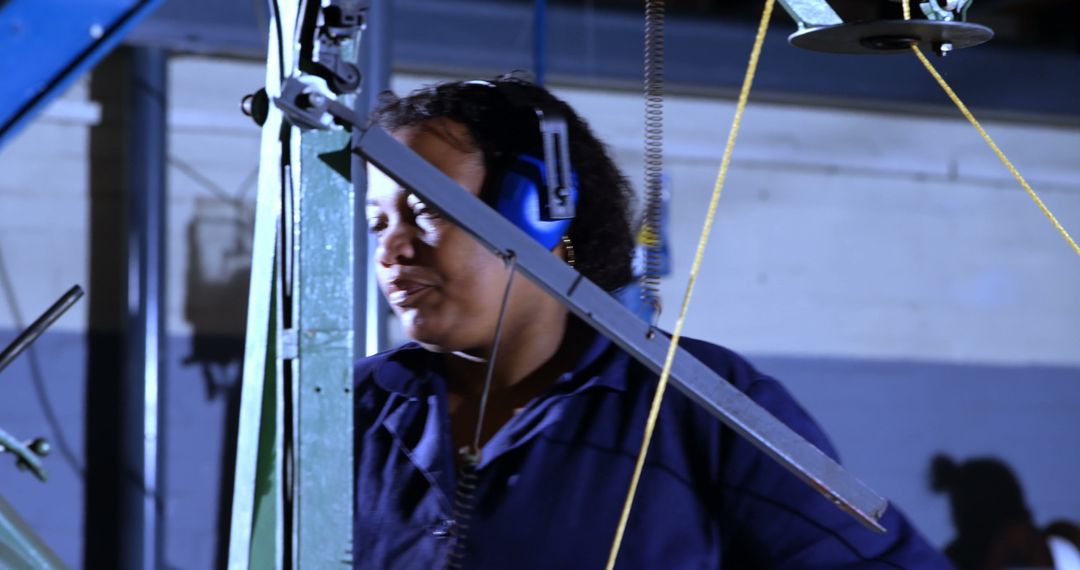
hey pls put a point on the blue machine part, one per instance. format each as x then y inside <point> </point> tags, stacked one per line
<point>519,201</point>
<point>46,44</point>
<point>631,295</point>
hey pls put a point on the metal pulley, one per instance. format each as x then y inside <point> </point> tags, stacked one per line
<point>943,30</point>
<point>892,36</point>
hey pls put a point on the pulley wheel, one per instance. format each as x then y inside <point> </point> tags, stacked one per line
<point>892,36</point>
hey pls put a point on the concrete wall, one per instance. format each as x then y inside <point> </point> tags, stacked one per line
<point>886,267</point>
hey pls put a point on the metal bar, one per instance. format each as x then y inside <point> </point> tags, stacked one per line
<point>603,312</point>
<point>267,517</point>
<point>255,531</point>
<point>248,526</point>
<point>32,332</point>
<point>139,512</point>
<point>20,547</point>
<point>370,308</point>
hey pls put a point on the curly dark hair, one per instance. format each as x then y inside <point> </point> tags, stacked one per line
<point>500,119</point>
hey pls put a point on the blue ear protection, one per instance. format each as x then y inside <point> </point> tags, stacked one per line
<point>519,200</point>
<point>538,194</point>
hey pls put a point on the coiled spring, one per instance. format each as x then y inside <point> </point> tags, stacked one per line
<point>654,154</point>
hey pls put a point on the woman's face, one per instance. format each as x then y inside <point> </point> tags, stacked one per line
<point>444,286</point>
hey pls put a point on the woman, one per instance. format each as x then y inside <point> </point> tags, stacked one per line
<point>542,472</point>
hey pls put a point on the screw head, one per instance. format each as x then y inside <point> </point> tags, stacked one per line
<point>316,99</point>
<point>40,447</point>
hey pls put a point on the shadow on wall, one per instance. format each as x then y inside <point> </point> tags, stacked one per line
<point>219,259</point>
<point>994,528</point>
<point>215,305</point>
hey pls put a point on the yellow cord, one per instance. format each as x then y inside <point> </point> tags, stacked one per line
<point>650,423</point>
<point>1001,155</point>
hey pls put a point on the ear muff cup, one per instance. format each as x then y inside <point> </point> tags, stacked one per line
<point>518,200</point>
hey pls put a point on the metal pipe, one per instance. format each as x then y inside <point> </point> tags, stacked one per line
<point>140,506</point>
<point>375,59</point>
<point>28,336</point>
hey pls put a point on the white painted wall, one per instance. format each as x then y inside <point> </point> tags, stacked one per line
<point>44,191</point>
<point>858,234</point>
<point>840,233</point>
<point>44,208</point>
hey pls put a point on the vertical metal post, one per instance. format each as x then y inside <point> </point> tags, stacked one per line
<point>321,406</point>
<point>322,388</point>
<point>140,458</point>
<point>375,63</point>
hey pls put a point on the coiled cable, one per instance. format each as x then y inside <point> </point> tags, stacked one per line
<point>465,491</point>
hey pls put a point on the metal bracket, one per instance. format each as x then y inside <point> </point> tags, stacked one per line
<point>811,13</point>
<point>342,75</point>
<point>953,10</point>
<point>304,104</point>
<point>26,454</point>
<point>344,18</point>
<point>340,21</point>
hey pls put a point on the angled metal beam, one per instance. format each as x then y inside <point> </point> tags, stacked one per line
<point>598,308</point>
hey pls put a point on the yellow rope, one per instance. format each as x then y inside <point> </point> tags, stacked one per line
<point>1001,155</point>
<point>650,423</point>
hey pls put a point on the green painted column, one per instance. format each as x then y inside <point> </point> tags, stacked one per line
<point>293,497</point>
<point>323,398</point>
